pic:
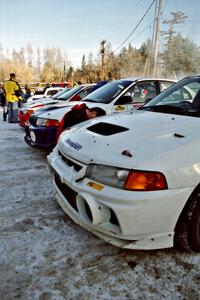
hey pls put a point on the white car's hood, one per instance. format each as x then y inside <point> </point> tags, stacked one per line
<point>40,101</point>
<point>58,113</point>
<point>151,138</point>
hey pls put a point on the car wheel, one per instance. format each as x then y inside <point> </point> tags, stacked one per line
<point>187,231</point>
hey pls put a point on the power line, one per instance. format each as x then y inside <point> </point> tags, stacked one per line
<point>148,26</point>
<point>135,27</point>
<point>125,19</point>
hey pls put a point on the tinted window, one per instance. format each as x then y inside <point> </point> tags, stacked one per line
<point>70,93</point>
<point>60,93</point>
<point>86,91</point>
<point>83,93</point>
<point>51,92</point>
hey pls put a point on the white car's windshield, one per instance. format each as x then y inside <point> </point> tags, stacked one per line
<point>108,92</point>
<point>58,94</point>
<point>182,98</point>
<point>70,93</point>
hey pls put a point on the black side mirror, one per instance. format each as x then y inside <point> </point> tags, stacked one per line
<point>124,100</point>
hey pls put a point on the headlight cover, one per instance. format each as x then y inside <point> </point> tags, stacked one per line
<point>107,175</point>
<point>47,122</point>
<point>135,180</point>
<point>41,122</point>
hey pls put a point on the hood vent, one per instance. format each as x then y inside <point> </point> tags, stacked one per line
<point>106,128</point>
<point>179,135</point>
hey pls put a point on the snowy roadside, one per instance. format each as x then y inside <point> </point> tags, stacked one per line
<point>44,255</point>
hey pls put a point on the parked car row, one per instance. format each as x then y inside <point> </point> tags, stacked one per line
<point>114,97</point>
<point>62,97</point>
<point>132,178</point>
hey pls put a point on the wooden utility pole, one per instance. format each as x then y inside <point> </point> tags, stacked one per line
<point>156,35</point>
<point>64,71</point>
<point>146,68</point>
<point>102,52</point>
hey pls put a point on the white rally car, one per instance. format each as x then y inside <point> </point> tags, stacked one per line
<point>133,179</point>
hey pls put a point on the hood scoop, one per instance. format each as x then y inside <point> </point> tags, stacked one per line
<point>178,135</point>
<point>106,128</point>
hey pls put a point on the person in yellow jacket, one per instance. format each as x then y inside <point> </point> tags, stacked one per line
<point>12,93</point>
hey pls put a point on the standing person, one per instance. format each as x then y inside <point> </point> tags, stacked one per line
<point>78,83</point>
<point>12,93</point>
<point>27,92</point>
<point>20,97</point>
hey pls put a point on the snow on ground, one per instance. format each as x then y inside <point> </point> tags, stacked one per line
<point>45,256</point>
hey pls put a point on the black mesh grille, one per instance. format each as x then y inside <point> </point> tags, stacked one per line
<point>67,192</point>
<point>69,162</point>
<point>113,218</point>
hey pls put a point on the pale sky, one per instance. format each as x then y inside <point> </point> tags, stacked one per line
<point>78,26</point>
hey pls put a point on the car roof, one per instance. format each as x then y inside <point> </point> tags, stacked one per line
<point>54,88</point>
<point>85,84</point>
<point>147,79</point>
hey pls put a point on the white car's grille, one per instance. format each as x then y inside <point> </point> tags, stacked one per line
<point>69,162</point>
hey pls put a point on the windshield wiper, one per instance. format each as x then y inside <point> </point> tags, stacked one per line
<point>172,109</point>
<point>163,108</point>
<point>88,100</point>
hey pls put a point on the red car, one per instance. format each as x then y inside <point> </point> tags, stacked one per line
<point>31,107</point>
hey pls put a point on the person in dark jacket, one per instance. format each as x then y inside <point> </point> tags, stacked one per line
<point>3,102</point>
<point>79,113</point>
<point>27,92</point>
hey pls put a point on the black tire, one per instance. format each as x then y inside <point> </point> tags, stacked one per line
<point>187,231</point>
<point>194,229</point>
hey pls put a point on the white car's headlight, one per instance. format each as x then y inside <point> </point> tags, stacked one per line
<point>107,175</point>
<point>137,180</point>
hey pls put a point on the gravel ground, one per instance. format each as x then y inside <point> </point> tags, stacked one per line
<point>44,255</point>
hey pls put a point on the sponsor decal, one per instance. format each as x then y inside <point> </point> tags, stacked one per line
<point>95,185</point>
<point>120,108</point>
<point>74,145</point>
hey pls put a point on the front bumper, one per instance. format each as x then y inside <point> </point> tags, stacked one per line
<point>128,219</point>
<point>40,137</point>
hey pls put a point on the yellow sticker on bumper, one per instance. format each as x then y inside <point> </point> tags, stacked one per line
<point>95,185</point>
